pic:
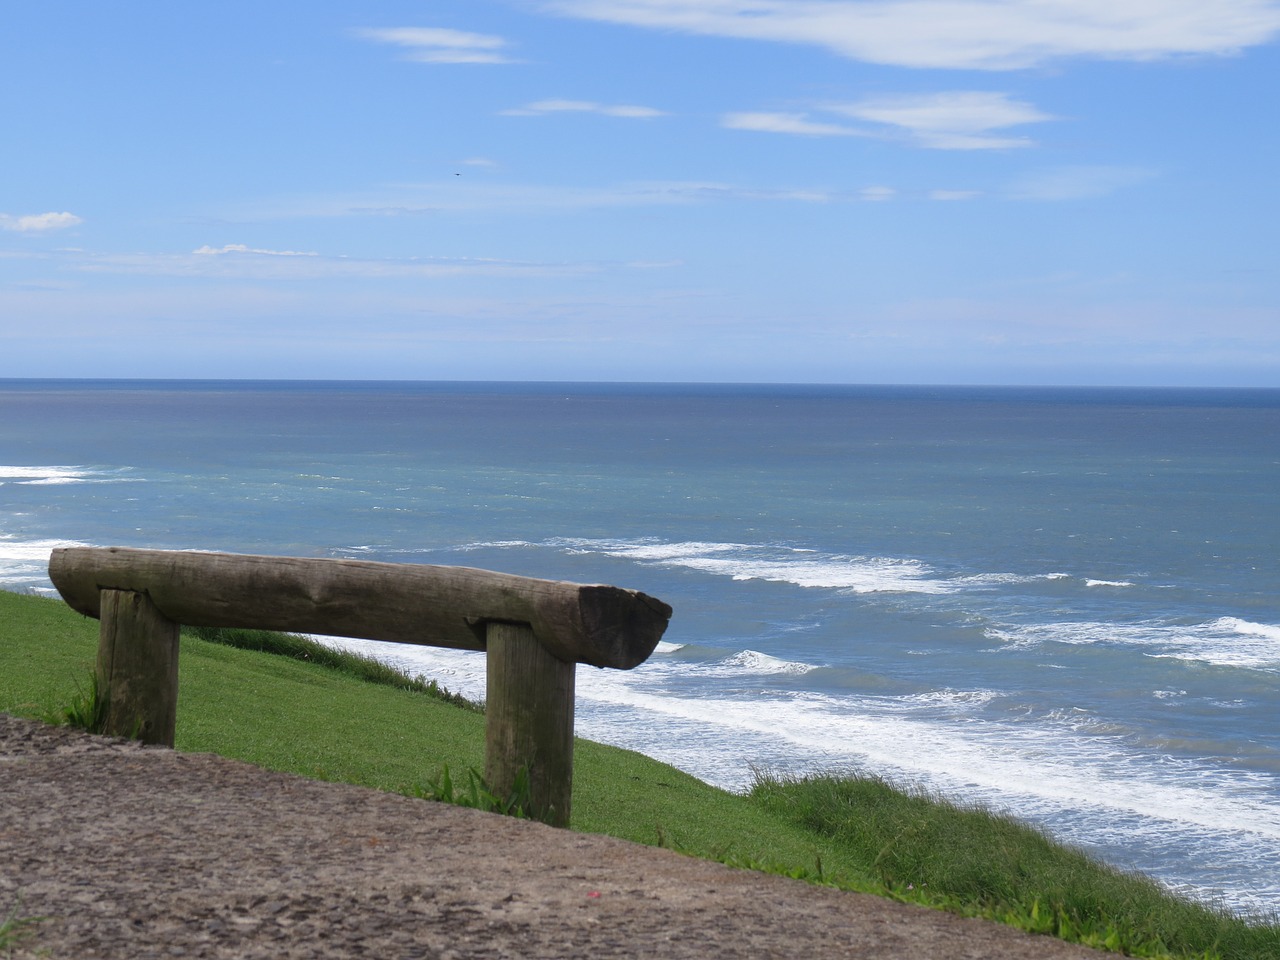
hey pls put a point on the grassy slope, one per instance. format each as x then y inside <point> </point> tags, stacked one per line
<point>298,717</point>
<point>320,723</point>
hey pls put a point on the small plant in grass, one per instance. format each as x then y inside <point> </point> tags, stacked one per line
<point>477,795</point>
<point>86,711</point>
<point>14,927</point>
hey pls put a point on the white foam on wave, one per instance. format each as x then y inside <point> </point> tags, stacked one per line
<point>1245,628</point>
<point>1004,579</point>
<point>1089,789</point>
<point>1226,641</point>
<point>1051,765</point>
<point>776,564</point>
<point>748,662</point>
<point>25,563</point>
<point>958,701</point>
<point>494,545</point>
<point>1108,583</point>
<point>654,551</point>
<point>43,476</point>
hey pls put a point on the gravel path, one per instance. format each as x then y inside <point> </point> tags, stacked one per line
<point>133,852</point>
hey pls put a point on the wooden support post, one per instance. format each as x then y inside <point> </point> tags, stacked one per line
<point>529,720</point>
<point>137,668</point>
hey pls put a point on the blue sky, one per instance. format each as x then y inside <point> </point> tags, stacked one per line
<point>905,191</point>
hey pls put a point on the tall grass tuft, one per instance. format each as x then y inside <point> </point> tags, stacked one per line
<point>924,848</point>
<point>477,793</point>
<point>298,647</point>
<point>14,927</point>
<point>86,711</point>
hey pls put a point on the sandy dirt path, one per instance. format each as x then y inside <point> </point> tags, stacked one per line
<point>135,852</point>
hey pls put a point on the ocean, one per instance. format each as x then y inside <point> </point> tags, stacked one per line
<point>1060,603</point>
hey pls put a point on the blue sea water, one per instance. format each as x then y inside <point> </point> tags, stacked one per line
<point>1062,603</point>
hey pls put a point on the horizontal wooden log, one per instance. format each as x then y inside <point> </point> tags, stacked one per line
<point>402,603</point>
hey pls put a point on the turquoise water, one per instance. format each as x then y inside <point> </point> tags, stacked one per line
<point>1062,603</point>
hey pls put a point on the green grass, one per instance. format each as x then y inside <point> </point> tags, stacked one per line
<point>304,648</point>
<point>971,860</point>
<point>292,713</point>
<point>15,927</point>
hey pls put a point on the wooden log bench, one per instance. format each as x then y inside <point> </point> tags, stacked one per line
<point>534,633</point>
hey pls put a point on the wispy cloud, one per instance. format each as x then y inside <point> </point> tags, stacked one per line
<point>793,123</point>
<point>963,34</point>
<point>1077,182</point>
<point>38,222</point>
<point>441,45</point>
<point>236,248</point>
<point>466,195</point>
<point>956,120</point>
<point>242,263</point>
<point>542,107</point>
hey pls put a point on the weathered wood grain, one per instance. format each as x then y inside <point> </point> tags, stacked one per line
<point>402,603</point>
<point>137,668</point>
<point>535,632</point>
<point>529,721</point>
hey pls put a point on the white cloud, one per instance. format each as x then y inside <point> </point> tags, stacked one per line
<point>242,248</point>
<point>39,222</point>
<point>541,107</point>
<point>956,120</point>
<point>1076,183</point>
<point>238,262</point>
<point>963,34</point>
<point>795,123</point>
<point>462,194</point>
<point>440,45</point>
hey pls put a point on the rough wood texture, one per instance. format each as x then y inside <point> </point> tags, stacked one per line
<point>529,721</point>
<point>402,603</point>
<point>535,632</point>
<point>137,668</point>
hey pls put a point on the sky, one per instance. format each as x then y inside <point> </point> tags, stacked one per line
<point>834,191</point>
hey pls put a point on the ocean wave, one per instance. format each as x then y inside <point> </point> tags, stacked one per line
<point>25,563</point>
<point>1054,767</point>
<point>959,701</point>
<point>748,662</point>
<point>775,564</point>
<point>1245,628</point>
<point>493,545</point>
<point>39,476</point>
<point>1004,579</point>
<point>1226,641</point>
<point>780,563</point>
